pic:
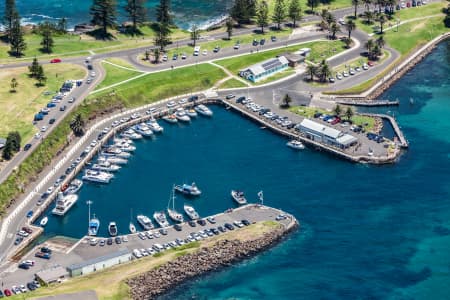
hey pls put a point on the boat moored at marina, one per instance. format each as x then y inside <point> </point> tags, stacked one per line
<point>44,221</point>
<point>161,219</point>
<point>145,222</point>
<point>239,197</point>
<point>131,134</point>
<point>154,126</point>
<point>94,225</point>
<point>113,160</point>
<point>191,113</point>
<point>74,187</point>
<point>124,146</point>
<point>143,129</point>
<point>113,151</point>
<point>64,203</point>
<point>170,118</point>
<point>191,212</point>
<point>106,166</point>
<point>181,115</point>
<point>191,190</point>
<point>295,144</point>
<point>112,228</point>
<point>173,214</point>
<point>97,176</point>
<point>132,228</point>
<point>203,110</point>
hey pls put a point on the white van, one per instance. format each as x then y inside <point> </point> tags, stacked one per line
<point>196,50</point>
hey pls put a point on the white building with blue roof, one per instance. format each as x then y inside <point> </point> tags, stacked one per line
<point>264,69</point>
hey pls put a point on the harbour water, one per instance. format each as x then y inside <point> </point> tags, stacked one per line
<point>367,232</point>
<point>186,12</point>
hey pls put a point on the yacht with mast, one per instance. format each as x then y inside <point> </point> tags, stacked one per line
<point>191,212</point>
<point>173,214</point>
<point>94,223</point>
<point>131,226</point>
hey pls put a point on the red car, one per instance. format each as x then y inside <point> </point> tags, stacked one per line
<point>370,63</point>
<point>7,293</point>
<point>55,60</point>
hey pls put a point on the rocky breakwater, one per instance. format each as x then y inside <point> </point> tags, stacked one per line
<point>223,253</point>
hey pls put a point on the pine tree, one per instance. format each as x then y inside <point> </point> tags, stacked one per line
<point>279,13</point>
<point>163,13</point>
<point>136,11</point>
<point>13,85</point>
<point>8,18</point>
<point>16,39</point>
<point>195,34</point>
<point>229,25</point>
<point>47,39</point>
<point>243,10</point>
<point>34,68</point>
<point>7,152</point>
<point>40,76</point>
<point>62,25</point>
<point>295,12</point>
<point>262,15</point>
<point>312,4</point>
<point>104,14</point>
<point>162,35</point>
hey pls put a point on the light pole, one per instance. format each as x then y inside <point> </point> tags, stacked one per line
<point>398,22</point>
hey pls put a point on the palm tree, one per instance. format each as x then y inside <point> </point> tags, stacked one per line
<point>334,28</point>
<point>311,70</point>
<point>156,55</point>
<point>337,110</point>
<point>355,4</point>
<point>286,101</point>
<point>349,113</point>
<point>369,17</point>
<point>77,125</point>
<point>367,4</point>
<point>380,41</point>
<point>13,85</point>
<point>382,19</point>
<point>369,46</point>
<point>350,27</point>
<point>325,71</point>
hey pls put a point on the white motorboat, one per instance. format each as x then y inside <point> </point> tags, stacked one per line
<point>106,166</point>
<point>97,176</point>
<point>124,146</point>
<point>74,187</point>
<point>64,203</point>
<point>112,151</point>
<point>191,190</point>
<point>145,222</point>
<point>161,219</point>
<point>181,115</point>
<point>191,212</point>
<point>132,228</point>
<point>203,110</point>
<point>113,160</point>
<point>94,224</point>
<point>154,126</point>
<point>143,129</point>
<point>239,197</point>
<point>191,113</point>
<point>295,144</point>
<point>131,134</point>
<point>44,221</point>
<point>170,118</point>
<point>112,228</point>
<point>117,140</point>
<point>173,214</point>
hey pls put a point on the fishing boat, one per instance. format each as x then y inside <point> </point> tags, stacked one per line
<point>295,144</point>
<point>97,176</point>
<point>44,221</point>
<point>143,129</point>
<point>145,222</point>
<point>173,214</point>
<point>181,115</point>
<point>191,113</point>
<point>170,118</point>
<point>154,126</point>
<point>113,160</point>
<point>191,190</point>
<point>203,110</point>
<point>132,228</point>
<point>239,197</point>
<point>112,228</point>
<point>74,187</point>
<point>64,203</point>
<point>131,134</point>
<point>94,223</point>
<point>191,212</point>
<point>106,166</point>
<point>161,219</point>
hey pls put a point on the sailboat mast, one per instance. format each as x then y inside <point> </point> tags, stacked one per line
<point>89,202</point>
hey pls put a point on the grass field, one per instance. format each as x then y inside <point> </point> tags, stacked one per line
<point>120,62</point>
<point>115,74</point>
<point>232,83</point>
<point>336,4</point>
<point>277,76</point>
<point>110,283</point>
<point>319,50</point>
<point>17,109</point>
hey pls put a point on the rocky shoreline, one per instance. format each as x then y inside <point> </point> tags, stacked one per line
<point>222,254</point>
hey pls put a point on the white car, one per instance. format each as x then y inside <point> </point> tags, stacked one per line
<point>93,74</point>
<point>15,290</point>
<point>105,130</point>
<point>365,67</point>
<point>137,253</point>
<point>93,143</point>
<point>205,52</point>
<point>151,110</point>
<point>23,289</point>
<point>171,104</point>
<point>71,100</point>
<point>164,58</point>
<point>44,128</point>
<point>37,136</point>
<point>182,101</point>
<point>345,74</point>
<point>351,71</point>
<point>28,262</point>
<point>115,123</point>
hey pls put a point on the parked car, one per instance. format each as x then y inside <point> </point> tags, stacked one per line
<point>262,42</point>
<point>216,49</point>
<point>237,46</point>
<point>29,214</point>
<point>26,147</point>
<point>62,108</point>
<point>273,38</point>
<point>230,96</point>
<point>55,61</point>
<point>255,42</point>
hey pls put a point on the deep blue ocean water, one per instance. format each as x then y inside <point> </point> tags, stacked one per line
<point>367,232</point>
<point>186,12</point>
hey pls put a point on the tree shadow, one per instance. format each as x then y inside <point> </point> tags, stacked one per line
<point>99,34</point>
<point>131,31</point>
<point>4,39</point>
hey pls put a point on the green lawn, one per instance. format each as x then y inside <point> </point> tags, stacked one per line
<point>319,50</point>
<point>17,109</point>
<point>115,74</point>
<point>285,73</point>
<point>335,4</point>
<point>155,86</point>
<point>232,83</point>
<point>120,62</point>
<point>308,112</point>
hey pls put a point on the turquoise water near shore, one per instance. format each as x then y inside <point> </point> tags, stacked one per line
<point>367,232</point>
<point>186,12</point>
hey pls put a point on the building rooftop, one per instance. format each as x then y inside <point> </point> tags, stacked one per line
<point>325,130</point>
<point>260,68</point>
<point>98,259</point>
<point>52,274</point>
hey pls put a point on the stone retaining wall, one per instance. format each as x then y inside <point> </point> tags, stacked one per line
<point>222,254</point>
